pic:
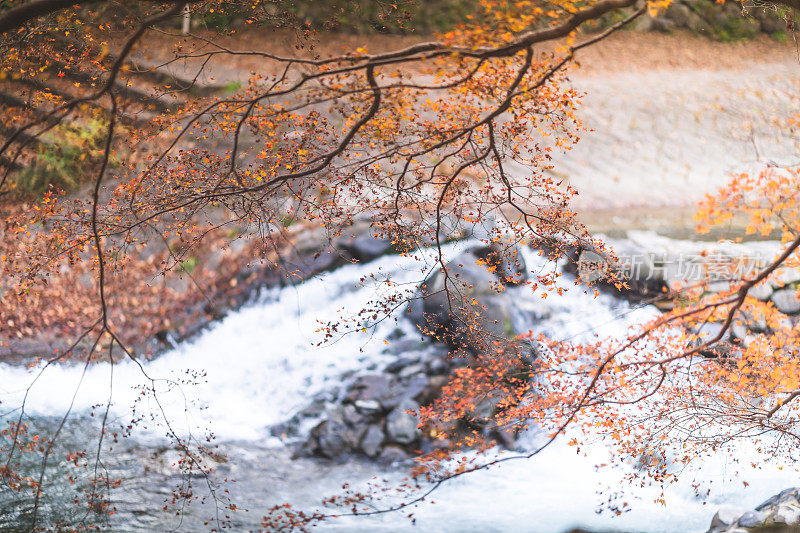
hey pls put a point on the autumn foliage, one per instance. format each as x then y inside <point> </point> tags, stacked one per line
<point>415,139</point>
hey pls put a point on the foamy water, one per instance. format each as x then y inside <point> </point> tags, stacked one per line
<point>261,365</point>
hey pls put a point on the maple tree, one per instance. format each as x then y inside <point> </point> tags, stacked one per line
<point>415,138</point>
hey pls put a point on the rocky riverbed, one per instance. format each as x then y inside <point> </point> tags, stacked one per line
<point>296,420</point>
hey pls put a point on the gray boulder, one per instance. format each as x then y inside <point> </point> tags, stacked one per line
<point>401,427</point>
<point>725,518</point>
<point>663,24</point>
<point>463,305</point>
<point>679,14</point>
<point>780,513</point>
<point>507,264</point>
<point>414,388</point>
<point>333,437</point>
<point>392,454</point>
<point>762,291</point>
<point>369,388</point>
<point>365,247</point>
<point>786,301</point>
<point>786,495</point>
<point>752,519</point>
<point>786,514</point>
<point>371,441</point>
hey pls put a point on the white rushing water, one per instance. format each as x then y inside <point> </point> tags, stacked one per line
<point>261,364</point>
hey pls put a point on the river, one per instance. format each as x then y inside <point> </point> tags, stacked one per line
<point>261,364</point>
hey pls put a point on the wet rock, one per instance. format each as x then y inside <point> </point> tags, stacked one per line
<point>401,426</point>
<point>484,410</point>
<point>333,438</point>
<point>396,334</point>
<point>371,441</point>
<point>471,303</point>
<point>399,391</point>
<point>785,495</point>
<point>786,514</point>
<point>643,270</point>
<point>786,301</point>
<point>406,347</point>
<point>433,389</point>
<point>396,366</point>
<point>762,291</point>
<point>780,513</point>
<point>412,370</point>
<point>752,519</point>
<point>368,406</point>
<point>369,387</point>
<point>438,366</point>
<point>725,517</point>
<point>364,247</point>
<point>505,437</point>
<point>507,264</point>
<point>392,454</point>
<point>415,387</point>
<point>351,415</point>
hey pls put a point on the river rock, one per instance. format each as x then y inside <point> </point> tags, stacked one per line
<point>475,311</point>
<point>369,387</point>
<point>371,441</point>
<point>365,246</point>
<point>368,406</point>
<point>401,363</point>
<point>401,426</point>
<point>411,370</point>
<point>333,437</point>
<point>351,415</point>
<point>505,437</point>
<point>414,388</point>
<point>786,301</point>
<point>507,264</point>
<point>786,495</point>
<point>752,519</point>
<point>786,514</point>
<point>438,366</point>
<point>762,291</point>
<point>779,514</point>
<point>725,517</point>
<point>392,454</point>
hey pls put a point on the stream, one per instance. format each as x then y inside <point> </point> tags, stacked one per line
<point>261,364</point>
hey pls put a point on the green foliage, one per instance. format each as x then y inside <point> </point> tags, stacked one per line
<point>188,265</point>
<point>779,36</point>
<point>66,159</point>
<point>288,220</point>
<point>609,19</point>
<point>736,29</point>
<point>232,87</point>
